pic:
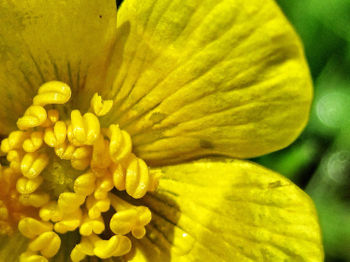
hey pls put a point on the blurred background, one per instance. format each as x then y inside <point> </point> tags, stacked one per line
<point>319,161</point>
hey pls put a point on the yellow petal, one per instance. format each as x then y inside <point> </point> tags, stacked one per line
<point>229,210</point>
<point>51,40</point>
<point>206,76</point>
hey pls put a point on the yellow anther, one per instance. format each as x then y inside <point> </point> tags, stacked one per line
<point>53,92</point>
<point>57,135</point>
<point>86,129</point>
<point>120,145</point>
<point>137,177</point>
<point>89,226</point>
<point>96,207</point>
<point>77,255</point>
<point>71,137</point>
<point>34,142</point>
<point>69,202</point>
<point>33,164</point>
<point>85,247</point>
<point>28,186</point>
<point>65,151</point>
<point>33,116</point>
<point>115,246</point>
<point>47,243</point>
<point>100,154</point>
<point>100,107</point>
<point>37,199</point>
<point>52,117</point>
<point>15,158</point>
<point>14,141</point>
<point>70,222</point>
<point>129,218</point>
<point>103,186</point>
<point>31,256</point>
<point>51,211</point>
<point>118,174</point>
<point>3,211</point>
<point>85,184</point>
<point>154,176</point>
<point>31,228</point>
<point>81,158</point>
<point>78,127</point>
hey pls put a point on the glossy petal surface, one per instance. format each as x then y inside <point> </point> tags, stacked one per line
<point>199,77</point>
<point>216,210</point>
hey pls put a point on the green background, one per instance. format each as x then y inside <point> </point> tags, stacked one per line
<point>319,161</point>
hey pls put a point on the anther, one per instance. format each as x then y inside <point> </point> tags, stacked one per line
<point>81,250</point>
<point>70,221</point>
<point>120,145</point>
<point>81,158</point>
<point>33,164</point>
<point>34,142</point>
<point>100,154</point>
<point>65,151</point>
<point>69,202</point>
<point>14,141</point>
<point>89,226</point>
<point>104,185</point>
<point>47,243</point>
<point>96,207</point>
<point>85,184</point>
<point>118,174</point>
<point>15,157</point>
<point>57,135</point>
<point>28,186</point>
<point>37,199</point>
<point>51,211</point>
<point>137,177</point>
<point>129,218</point>
<point>34,116</point>
<point>30,256</point>
<point>115,246</point>
<point>31,228</point>
<point>53,92</point>
<point>86,129</point>
<point>100,107</point>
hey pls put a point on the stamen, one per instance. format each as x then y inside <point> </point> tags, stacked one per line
<point>31,228</point>
<point>30,256</point>
<point>44,197</point>
<point>33,164</point>
<point>47,243</point>
<point>53,92</point>
<point>34,142</point>
<point>34,116</point>
<point>100,107</point>
<point>57,135</point>
<point>129,218</point>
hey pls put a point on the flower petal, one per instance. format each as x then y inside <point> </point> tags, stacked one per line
<point>232,210</point>
<point>199,77</point>
<point>51,40</point>
<point>12,246</point>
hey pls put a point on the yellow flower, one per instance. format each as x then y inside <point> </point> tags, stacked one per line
<point>179,80</point>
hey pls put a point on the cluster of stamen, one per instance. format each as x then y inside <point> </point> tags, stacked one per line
<point>104,161</point>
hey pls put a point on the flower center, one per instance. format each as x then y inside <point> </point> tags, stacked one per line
<point>62,175</point>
